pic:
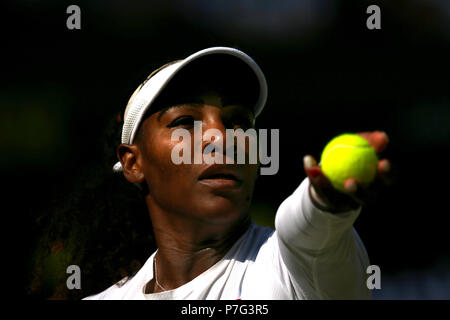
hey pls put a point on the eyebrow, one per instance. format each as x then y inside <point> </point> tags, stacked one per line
<point>199,103</point>
<point>164,110</point>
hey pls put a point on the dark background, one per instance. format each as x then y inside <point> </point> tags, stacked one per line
<point>326,72</point>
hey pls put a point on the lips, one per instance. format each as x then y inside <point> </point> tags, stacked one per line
<point>221,178</point>
<point>221,172</point>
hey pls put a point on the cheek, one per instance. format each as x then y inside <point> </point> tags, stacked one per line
<point>166,180</point>
<point>158,163</point>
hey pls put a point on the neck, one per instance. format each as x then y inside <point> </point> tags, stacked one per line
<point>187,248</point>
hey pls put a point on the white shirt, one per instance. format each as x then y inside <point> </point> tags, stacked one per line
<point>312,254</point>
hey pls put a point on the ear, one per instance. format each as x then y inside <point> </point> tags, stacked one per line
<point>129,156</point>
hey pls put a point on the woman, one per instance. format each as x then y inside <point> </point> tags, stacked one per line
<point>207,247</point>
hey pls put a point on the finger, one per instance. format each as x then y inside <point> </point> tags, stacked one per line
<point>312,170</point>
<point>309,162</point>
<point>365,193</point>
<point>338,200</point>
<point>384,171</point>
<point>368,193</point>
<point>384,166</point>
<point>359,193</point>
<point>351,185</point>
<point>377,139</point>
<point>314,173</point>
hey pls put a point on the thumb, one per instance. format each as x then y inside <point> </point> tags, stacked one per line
<point>377,139</point>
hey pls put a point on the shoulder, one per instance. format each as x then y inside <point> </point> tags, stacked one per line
<point>254,240</point>
<point>259,233</point>
<point>114,292</point>
<point>129,288</point>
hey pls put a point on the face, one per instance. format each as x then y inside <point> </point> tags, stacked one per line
<point>214,193</point>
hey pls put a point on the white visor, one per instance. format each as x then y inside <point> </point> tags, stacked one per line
<point>143,97</point>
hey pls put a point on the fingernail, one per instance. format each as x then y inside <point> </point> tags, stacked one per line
<point>314,173</point>
<point>308,162</point>
<point>350,185</point>
<point>386,135</point>
<point>385,166</point>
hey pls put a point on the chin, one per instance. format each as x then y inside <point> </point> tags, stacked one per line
<point>220,210</point>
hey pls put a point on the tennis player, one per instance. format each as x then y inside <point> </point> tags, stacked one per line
<point>207,246</point>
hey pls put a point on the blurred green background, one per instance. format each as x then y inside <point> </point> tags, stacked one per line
<point>61,91</point>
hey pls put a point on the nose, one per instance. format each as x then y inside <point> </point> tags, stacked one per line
<point>214,132</point>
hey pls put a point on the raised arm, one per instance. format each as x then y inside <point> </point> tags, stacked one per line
<point>322,251</point>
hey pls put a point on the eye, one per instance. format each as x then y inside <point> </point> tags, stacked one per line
<point>240,121</point>
<point>182,121</point>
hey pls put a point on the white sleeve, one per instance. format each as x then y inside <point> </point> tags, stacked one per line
<point>322,252</point>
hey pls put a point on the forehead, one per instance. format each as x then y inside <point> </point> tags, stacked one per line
<point>210,99</point>
<point>198,95</point>
<point>223,76</point>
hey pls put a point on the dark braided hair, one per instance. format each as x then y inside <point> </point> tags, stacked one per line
<point>101,224</point>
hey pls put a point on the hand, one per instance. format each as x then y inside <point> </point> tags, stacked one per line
<point>329,199</point>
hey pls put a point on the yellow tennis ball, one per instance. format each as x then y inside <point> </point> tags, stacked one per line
<point>349,156</point>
